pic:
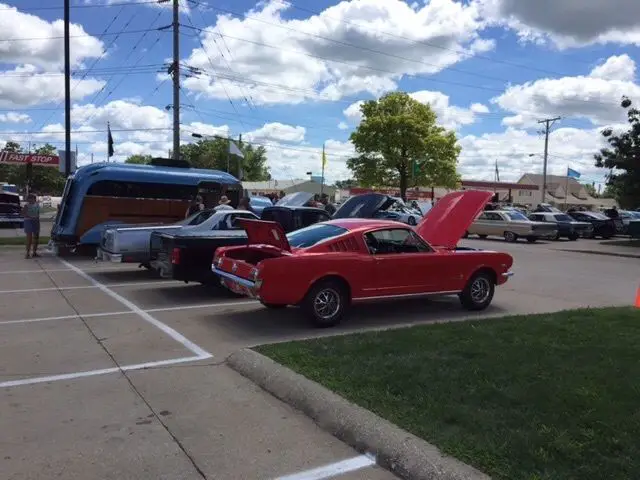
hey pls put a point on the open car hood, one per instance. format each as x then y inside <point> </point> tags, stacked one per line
<point>261,232</point>
<point>445,224</point>
<point>297,199</point>
<point>364,206</point>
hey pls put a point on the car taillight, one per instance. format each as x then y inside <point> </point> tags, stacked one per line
<point>253,276</point>
<point>175,256</point>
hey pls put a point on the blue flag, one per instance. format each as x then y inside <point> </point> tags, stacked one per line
<point>572,173</point>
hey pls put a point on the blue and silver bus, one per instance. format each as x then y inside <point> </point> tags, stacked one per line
<point>105,194</point>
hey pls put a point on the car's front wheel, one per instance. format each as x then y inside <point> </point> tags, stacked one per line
<point>510,237</point>
<point>478,292</point>
<point>326,303</point>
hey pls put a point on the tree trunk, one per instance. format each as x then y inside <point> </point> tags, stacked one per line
<point>403,184</point>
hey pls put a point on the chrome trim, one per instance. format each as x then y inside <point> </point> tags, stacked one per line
<point>110,257</point>
<point>408,295</point>
<point>507,274</point>
<point>235,278</point>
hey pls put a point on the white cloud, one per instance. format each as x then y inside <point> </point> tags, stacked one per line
<point>43,40</point>
<point>25,86</point>
<point>14,117</point>
<point>568,23</point>
<point>449,116</point>
<point>343,126</point>
<point>278,132</point>
<point>513,149</point>
<point>620,67</point>
<point>595,96</point>
<point>436,35</point>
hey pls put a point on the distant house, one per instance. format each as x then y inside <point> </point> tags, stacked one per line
<point>561,191</point>
<point>288,186</point>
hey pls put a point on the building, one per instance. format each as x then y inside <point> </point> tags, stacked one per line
<point>561,192</point>
<point>288,186</point>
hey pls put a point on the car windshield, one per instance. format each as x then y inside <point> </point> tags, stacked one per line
<point>309,236</point>
<point>563,218</point>
<point>517,216</point>
<point>596,215</point>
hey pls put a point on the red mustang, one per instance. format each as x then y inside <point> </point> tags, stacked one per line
<point>327,266</point>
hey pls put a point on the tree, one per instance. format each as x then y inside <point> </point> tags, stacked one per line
<point>345,184</point>
<point>139,159</point>
<point>214,154</point>
<point>8,172</point>
<point>43,180</point>
<point>591,190</point>
<point>622,159</point>
<point>398,140</point>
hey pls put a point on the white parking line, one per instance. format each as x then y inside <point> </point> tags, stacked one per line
<point>63,317</point>
<point>333,469</point>
<point>91,373</point>
<point>178,337</point>
<point>84,287</point>
<point>110,269</point>
<point>125,312</point>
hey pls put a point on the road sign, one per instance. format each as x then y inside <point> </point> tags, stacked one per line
<point>29,158</point>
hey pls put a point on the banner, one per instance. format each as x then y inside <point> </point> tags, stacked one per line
<point>32,158</point>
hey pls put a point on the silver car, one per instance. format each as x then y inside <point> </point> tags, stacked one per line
<point>511,225</point>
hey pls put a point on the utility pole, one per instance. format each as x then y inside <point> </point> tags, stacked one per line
<point>548,123</point>
<point>67,91</point>
<point>176,79</point>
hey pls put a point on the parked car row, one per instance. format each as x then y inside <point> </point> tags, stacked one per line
<point>296,255</point>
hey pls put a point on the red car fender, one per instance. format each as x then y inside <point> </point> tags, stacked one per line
<point>498,262</point>
<point>286,280</point>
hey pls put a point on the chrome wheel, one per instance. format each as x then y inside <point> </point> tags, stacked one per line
<point>480,290</point>
<point>326,303</point>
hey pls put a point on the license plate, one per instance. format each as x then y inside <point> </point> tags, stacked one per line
<point>238,288</point>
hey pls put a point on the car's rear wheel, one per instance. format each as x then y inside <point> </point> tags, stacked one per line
<point>326,303</point>
<point>510,237</point>
<point>478,292</point>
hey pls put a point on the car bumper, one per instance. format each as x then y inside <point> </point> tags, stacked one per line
<point>238,285</point>
<point>11,220</point>
<point>104,256</point>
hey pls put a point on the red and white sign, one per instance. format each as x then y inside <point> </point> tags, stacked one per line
<point>32,158</point>
<point>394,192</point>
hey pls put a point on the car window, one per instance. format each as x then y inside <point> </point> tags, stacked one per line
<point>396,240</point>
<point>313,235</point>
<point>309,217</point>
<point>493,216</point>
<point>537,217</point>
<point>198,218</point>
<point>561,217</point>
<point>232,223</point>
<point>516,216</point>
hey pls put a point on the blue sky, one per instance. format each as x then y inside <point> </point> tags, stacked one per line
<point>287,75</point>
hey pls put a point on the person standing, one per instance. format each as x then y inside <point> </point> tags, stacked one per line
<point>223,204</point>
<point>195,206</point>
<point>31,214</point>
<point>245,204</point>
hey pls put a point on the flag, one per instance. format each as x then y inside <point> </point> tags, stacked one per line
<point>324,158</point>
<point>109,140</point>
<point>572,173</point>
<point>234,150</point>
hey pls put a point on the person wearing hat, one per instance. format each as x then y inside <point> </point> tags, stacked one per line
<point>223,204</point>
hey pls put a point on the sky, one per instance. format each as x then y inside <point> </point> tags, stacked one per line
<point>290,75</point>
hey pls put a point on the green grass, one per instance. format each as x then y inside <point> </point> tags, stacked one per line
<point>4,241</point>
<point>530,397</point>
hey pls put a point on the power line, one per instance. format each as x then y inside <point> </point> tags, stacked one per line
<point>82,7</point>
<point>60,37</point>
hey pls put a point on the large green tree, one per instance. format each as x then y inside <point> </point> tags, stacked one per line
<point>139,159</point>
<point>399,142</point>
<point>622,159</point>
<point>213,154</point>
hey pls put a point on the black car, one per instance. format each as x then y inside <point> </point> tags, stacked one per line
<point>10,210</point>
<point>567,226</point>
<point>603,226</point>
<point>187,256</point>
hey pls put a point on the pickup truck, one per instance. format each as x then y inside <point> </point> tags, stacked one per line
<point>130,244</point>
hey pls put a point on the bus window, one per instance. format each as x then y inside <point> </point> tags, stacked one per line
<point>111,188</point>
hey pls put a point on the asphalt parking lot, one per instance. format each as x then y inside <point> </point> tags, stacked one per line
<point>106,372</point>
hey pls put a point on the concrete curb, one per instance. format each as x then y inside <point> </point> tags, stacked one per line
<point>395,449</point>
<point>596,252</point>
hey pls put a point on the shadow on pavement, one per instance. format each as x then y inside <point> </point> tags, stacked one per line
<point>261,325</point>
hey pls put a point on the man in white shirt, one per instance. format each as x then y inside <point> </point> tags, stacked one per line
<point>223,204</point>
